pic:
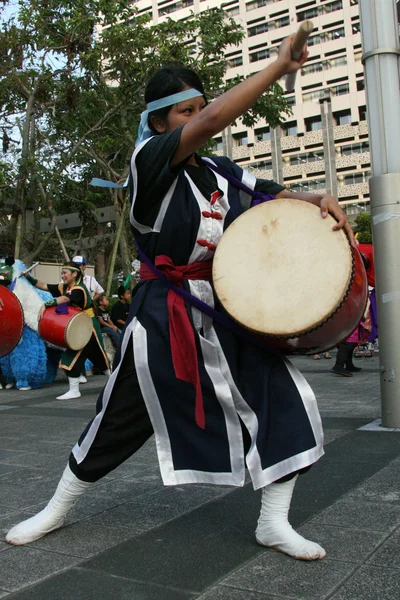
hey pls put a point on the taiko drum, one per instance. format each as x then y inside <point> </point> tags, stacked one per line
<point>72,330</point>
<point>282,273</point>
<point>11,321</point>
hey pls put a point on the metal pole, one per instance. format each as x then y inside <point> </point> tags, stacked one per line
<point>380,40</point>
<point>329,147</point>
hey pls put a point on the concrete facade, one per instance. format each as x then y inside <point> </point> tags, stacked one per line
<point>334,71</point>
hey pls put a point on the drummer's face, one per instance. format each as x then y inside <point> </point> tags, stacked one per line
<point>180,114</point>
<point>67,276</point>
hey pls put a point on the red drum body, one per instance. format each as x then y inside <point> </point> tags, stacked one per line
<point>72,330</point>
<point>282,273</point>
<point>11,321</point>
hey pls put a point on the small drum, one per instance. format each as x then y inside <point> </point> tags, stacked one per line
<point>72,330</point>
<point>11,321</point>
<point>281,272</point>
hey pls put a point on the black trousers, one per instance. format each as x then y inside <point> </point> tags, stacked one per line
<point>124,428</point>
<point>344,357</point>
<point>94,354</point>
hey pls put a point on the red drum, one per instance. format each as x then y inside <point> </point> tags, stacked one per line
<point>281,272</point>
<point>72,330</point>
<point>11,321</point>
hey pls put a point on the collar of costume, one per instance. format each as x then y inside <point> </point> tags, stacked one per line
<point>144,129</point>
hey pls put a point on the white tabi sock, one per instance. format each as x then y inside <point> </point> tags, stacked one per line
<point>274,530</point>
<point>82,379</point>
<point>73,391</point>
<point>52,517</point>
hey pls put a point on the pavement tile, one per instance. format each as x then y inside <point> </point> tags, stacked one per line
<point>363,514</point>
<point>340,543</point>
<point>167,503</point>
<point>7,453</point>
<point>371,583</point>
<point>83,539</point>
<point>275,573</point>
<point>330,435</point>
<point>221,592</point>
<point>388,555</point>
<point>11,519</point>
<point>191,552</point>
<point>23,566</point>
<point>24,497</point>
<point>8,469</point>
<point>104,497</point>
<point>82,584</point>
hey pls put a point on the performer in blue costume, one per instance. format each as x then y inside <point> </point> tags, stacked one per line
<point>30,364</point>
<point>215,402</point>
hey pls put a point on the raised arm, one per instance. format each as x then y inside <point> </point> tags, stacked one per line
<point>41,285</point>
<point>234,103</point>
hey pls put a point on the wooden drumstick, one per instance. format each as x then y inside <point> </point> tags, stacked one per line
<point>297,47</point>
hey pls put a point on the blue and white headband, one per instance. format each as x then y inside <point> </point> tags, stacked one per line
<point>144,130</point>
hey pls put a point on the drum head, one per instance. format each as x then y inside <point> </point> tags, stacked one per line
<point>11,321</point>
<point>78,331</point>
<point>280,270</point>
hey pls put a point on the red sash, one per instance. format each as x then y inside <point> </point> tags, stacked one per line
<point>181,332</point>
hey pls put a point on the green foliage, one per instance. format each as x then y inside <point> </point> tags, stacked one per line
<point>363,227</point>
<point>72,77</point>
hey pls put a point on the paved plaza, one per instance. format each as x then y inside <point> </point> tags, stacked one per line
<point>131,538</point>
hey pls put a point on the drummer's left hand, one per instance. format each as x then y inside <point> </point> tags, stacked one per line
<point>41,311</point>
<point>329,204</point>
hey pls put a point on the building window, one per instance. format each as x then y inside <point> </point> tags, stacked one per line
<point>360,85</point>
<point>305,157</point>
<point>174,7</point>
<point>263,135</point>
<point>258,4</point>
<point>259,55</point>
<point>332,6</point>
<point>308,185</point>
<point>317,95</point>
<point>264,165</point>
<point>342,117</point>
<point>219,145</point>
<point>362,113</point>
<point>235,62</point>
<point>313,123</point>
<point>355,178</point>
<point>240,139</point>
<point>340,90</point>
<point>355,148</point>
<point>307,14</point>
<point>355,27</point>
<point>257,29</point>
<point>290,128</point>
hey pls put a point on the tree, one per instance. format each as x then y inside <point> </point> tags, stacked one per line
<point>363,228</point>
<point>72,77</point>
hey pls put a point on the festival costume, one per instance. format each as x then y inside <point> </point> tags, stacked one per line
<point>71,360</point>
<point>212,399</point>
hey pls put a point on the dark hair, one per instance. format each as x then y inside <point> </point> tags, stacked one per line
<point>79,274</point>
<point>167,81</point>
<point>101,297</point>
<point>121,291</point>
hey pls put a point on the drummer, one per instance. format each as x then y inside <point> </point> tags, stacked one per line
<point>72,291</point>
<point>215,402</point>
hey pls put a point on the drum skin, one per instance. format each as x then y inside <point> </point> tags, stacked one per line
<point>288,279</point>
<point>72,330</point>
<point>11,321</point>
<point>338,327</point>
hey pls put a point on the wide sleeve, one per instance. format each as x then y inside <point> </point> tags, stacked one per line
<point>54,290</point>
<point>152,175</point>
<point>77,298</point>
